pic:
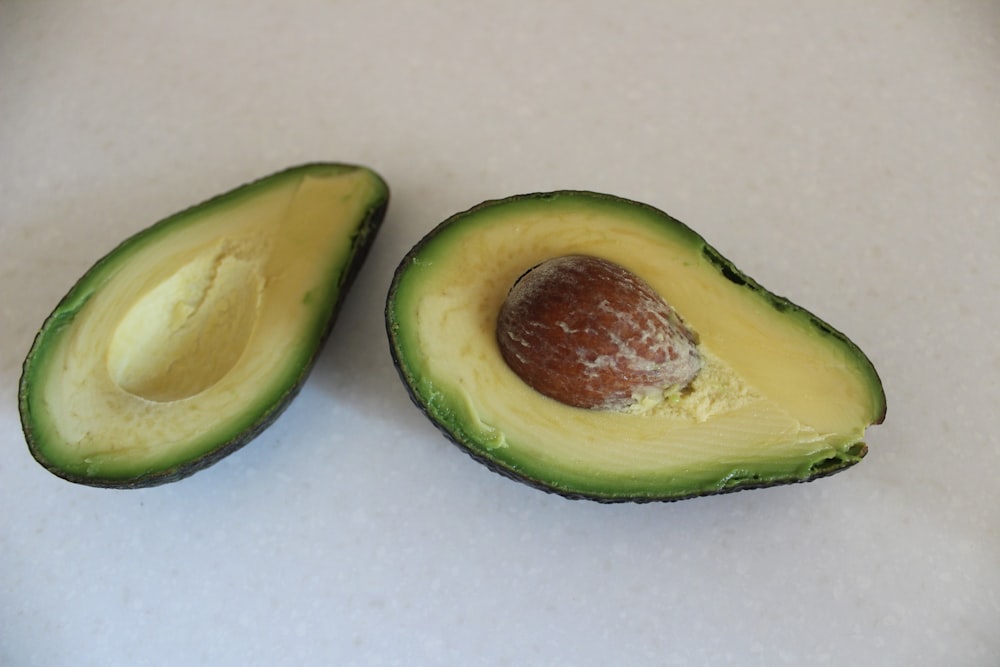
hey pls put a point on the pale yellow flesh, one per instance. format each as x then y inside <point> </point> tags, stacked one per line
<point>182,340</point>
<point>752,409</point>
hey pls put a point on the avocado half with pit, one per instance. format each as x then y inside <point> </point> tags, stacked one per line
<point>777,395</point>
<point>191,337</point>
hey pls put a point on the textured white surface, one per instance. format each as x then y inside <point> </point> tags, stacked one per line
<point>845,154</point>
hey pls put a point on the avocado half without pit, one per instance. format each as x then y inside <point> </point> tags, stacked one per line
<point>598,348</point>
<point>191,337</point>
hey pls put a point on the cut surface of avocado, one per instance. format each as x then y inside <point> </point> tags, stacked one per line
<point>782,397</point>
<point>189,338</point>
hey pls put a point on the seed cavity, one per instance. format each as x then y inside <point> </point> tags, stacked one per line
<point>187,332</point>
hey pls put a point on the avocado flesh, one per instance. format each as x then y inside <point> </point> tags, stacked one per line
<point>190,337</point>
<point>783,398</point>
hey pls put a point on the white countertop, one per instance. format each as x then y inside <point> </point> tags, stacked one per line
<point>846,155</point>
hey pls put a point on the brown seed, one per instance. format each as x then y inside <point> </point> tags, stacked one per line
<point>591,334</point>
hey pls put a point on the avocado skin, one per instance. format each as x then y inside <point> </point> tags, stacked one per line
<point>360,246</point>
<point>725,267</point>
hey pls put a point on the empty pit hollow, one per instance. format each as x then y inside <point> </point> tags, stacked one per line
<point>188,332</point>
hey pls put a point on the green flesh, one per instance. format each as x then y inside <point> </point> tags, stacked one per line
<point>788,399</point>
<point>191,337</point>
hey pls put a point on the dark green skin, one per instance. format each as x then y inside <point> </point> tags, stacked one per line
<point>361,244</point>
<point>819,470</point>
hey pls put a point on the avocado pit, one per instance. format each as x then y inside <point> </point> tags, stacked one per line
<point>591,334</point>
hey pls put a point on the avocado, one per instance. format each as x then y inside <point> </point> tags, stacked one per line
<point>192,336</point>
<point>769,394</point>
